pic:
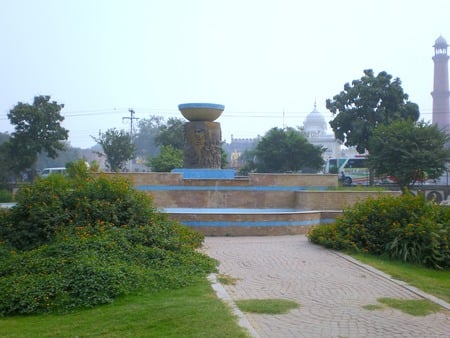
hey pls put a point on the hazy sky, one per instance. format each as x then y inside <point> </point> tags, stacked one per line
<point>266,61</point>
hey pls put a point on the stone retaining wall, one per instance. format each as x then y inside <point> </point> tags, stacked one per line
<point>334,200</point>
<point>312,199</point>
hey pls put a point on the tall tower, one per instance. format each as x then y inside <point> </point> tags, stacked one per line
<point>440,93</point>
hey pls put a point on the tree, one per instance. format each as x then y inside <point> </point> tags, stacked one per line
<point>223,157</point>
<point>6,173</point>
<point>4,137</point>
<point>367,103</point>
<point>37,129</point>
<point>144,139</point>
<point>168,159</point>
<point>171,133</point>
<point>408,151</point>
<point>117,147</point>
<point>285,150</point>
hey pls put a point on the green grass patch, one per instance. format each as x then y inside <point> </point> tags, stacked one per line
<point>435,282</point>
<point>267,306</point>
<point>364,188</point>
<point>226,280</point>
<point>372,307</point>
<point>193,311</point>
<point>414,307</point>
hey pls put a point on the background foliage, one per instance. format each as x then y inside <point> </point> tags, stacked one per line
<point>37,129</point>
<point>408,152</point>
<point>168,159</point>
<point>118,148</point>
<point>285,150</point>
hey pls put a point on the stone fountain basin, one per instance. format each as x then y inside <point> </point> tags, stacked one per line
<point>201,111</point>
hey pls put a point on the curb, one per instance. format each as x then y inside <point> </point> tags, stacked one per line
<point>225,297</point>
<point>402,284</point>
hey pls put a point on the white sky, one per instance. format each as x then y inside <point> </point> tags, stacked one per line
<point>258,58</point>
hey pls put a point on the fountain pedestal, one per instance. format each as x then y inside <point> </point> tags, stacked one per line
<point>202,145</point>
<point>202,141</point>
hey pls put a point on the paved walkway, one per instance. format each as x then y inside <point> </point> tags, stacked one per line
<point>331,290</point>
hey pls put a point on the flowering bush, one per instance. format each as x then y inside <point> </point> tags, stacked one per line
<point>406,227</point>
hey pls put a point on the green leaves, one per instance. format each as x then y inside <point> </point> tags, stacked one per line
<point>171,134</point>
<point>168,159</point>
<point>73,242</point>
<point>406,228</point>
<point>118,148</point>
<point>283,150</point>
<point>408,151</point>
<point>365,104</point>
<point>37,129</point>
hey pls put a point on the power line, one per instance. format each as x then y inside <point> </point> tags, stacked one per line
<point>131,118</point>
<point>170,112</point>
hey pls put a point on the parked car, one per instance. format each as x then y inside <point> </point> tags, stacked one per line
<point>49,171</point>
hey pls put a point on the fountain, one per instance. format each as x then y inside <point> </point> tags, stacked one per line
<point>214,201</point>
<point>202,142</point>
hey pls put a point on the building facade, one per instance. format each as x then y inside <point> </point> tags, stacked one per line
<point>316,130</point>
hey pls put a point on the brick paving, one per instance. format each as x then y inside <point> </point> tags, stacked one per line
<point>331,290</point>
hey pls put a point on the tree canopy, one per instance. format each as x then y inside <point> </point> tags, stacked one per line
<point>144,139</point>
<point>37,129</point>
<point>168,159</point>
<point>287,150</point>
<point>408,151</point>
<point>117,147</point>
<point>366,103</point>
<point>171,133</point>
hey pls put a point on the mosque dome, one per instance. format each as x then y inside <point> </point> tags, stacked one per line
<point>315,124</point>
<point>440,42</point>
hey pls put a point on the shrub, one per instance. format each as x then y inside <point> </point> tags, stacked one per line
<point>90,266</point>
<point>58,201</point>
<point>37,214</point>
<point>5,196</point>
<point>406,227</point>
<point>73,243</point>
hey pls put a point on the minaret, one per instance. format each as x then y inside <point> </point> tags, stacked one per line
<point>440,93</point>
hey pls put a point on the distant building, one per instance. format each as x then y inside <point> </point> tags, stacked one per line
<point>315,128</point>
<point>440,93</point>
<point>236,148</point>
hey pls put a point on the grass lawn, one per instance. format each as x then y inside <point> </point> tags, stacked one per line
<point>434,282</point>
<point>193,311</point>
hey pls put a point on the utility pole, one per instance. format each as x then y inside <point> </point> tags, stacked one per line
<point>131,118</point>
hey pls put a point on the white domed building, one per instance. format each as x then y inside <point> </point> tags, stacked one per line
<point>315,128</point>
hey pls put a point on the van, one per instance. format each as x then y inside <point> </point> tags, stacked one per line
<point>50,171</point>
<point>352,171</point>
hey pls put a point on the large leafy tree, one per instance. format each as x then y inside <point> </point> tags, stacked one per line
<point>171,133</point>
<point>408,151</point>
<point>37,130</point>
<point>366,103</point>
<point>286,150</point>
<point>117,147</point>
<point>144,139</point>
